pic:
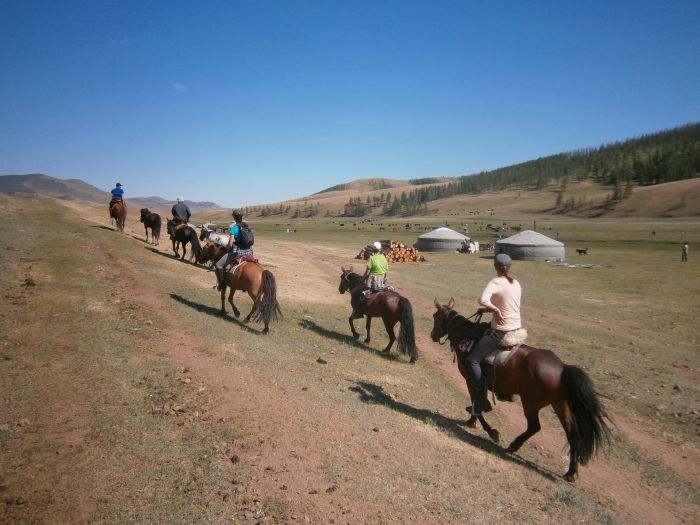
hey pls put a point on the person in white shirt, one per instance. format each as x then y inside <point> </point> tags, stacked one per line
<point>501,297</point>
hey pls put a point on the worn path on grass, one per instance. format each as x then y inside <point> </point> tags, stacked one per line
<point>129,399</point>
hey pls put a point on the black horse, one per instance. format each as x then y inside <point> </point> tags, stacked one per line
<point>389,305</point>
<point>181,235</point>
<point>151,220</point>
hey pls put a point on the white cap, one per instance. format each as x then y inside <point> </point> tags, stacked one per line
<point>180,199</point>
<point>378,245</point>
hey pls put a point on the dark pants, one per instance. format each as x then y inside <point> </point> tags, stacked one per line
<point>487,344</point>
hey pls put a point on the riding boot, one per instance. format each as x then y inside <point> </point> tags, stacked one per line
<point>221,278</point>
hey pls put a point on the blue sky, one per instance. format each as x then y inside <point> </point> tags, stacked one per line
<point>250,102</point>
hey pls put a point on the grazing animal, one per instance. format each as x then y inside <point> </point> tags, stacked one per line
<point>151,220</point>
<point>260,285</point>
<point>583,251</point>
<point>540,379</point>
<point>118,213</point>
<point>388,305</point>
<point>181,235</point>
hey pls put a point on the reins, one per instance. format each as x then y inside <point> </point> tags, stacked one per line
<point>454,316</point>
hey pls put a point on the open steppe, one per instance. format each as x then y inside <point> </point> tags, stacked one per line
<point>128,398</point>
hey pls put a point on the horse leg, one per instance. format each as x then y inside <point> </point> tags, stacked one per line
<point>390,332</point>
<point>492,432</point>
<point>355,333</point>
<point>561,408</point>
<point>368,324</point>
<point>146,228</point>
<point>236,311</point>
<point>175,245</point>
<point>533,427</point>
<point>184,251</point>
<point>252,310</point>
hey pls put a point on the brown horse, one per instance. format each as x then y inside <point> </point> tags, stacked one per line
<point>389,305</point>
<point>260,285</point>
<point>181,235</point>
<point>151,220</point>
<point>118,213</point>
<point>540,379</point>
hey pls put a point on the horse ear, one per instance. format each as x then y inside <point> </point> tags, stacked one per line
<point>342,269</point>
<point>451,303</point>
<point>437,304</point>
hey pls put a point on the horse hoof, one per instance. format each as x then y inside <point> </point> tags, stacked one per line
<point>471,422</point>
<point>266,331</point>
<point>237,314</point>
<point>413,361</point>
<point>356,336</point>
<point>367,341</point>
<point>495,436</point>
<point>570,476</point>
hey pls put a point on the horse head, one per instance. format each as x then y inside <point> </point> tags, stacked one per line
<point>441,319</point>
<point>144,212</point>
<point>204,234</point>
<point>347,279</point>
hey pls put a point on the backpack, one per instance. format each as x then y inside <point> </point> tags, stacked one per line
<point>245,238</point>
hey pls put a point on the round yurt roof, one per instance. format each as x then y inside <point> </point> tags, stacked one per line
<point>531,246</point>
<point>445,234</point>
<point>440,240</point>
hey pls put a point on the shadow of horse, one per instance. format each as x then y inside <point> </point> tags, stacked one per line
<point>346,339</point>
<point>165,254</point>
<point>103,228</point>
<point>210,310</point>
<point>374,394</point>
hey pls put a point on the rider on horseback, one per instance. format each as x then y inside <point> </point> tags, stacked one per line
<point>374,276</point>
<point>117,195</point>
<point>502,298</point>
<point>181,215</point>
<point>234,249</point>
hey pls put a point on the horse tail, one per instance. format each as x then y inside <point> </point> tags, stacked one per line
<point>194,240</point>
<point>407,333</point>
<point>268,307</point>
<point>155,229</point>
<point>587,429</point>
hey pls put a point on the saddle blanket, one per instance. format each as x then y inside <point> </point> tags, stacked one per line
<point>369,291</point>
<point>240,260</point>
<point>499,356</point>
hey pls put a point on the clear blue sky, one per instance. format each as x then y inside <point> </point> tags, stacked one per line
<point>254,101</point>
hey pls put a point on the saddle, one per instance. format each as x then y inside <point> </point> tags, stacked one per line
<point>509,344</point>
<point>240,260</point>
<point>370,291</point>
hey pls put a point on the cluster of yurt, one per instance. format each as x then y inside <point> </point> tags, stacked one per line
<point>526,245</point>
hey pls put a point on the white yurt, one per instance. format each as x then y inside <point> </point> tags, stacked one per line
<point>440,240</point>
<point>531,246</point>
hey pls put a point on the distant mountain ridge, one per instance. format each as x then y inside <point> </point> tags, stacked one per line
<point>42,185</point>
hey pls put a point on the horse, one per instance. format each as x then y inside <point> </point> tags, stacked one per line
<point>151,220</point>
<point>211,252</point>
<point>388,305</point>
<point>259,283</point>
<point>581,251</point>
<point>181,235</point>
<point>118,213</point>
<point>540,378</point>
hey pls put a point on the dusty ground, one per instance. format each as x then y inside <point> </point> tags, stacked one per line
<point>127,398</point>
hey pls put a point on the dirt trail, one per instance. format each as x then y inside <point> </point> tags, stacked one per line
<point>290,445</point>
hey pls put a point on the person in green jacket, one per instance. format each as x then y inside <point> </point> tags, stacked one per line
<point>377,268</point>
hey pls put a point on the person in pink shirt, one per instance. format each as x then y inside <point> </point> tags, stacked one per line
<point>501,297</point>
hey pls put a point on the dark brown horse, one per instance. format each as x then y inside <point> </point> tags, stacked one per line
<point>181,235</point>
<point>260,285</point>
<point>540,379</point>
<point>388,305</point>
<point>151,220</point>
<point>118,213</point>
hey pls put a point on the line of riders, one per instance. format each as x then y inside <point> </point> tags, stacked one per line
<point>538,376</point>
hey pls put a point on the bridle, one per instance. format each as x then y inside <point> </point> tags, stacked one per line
<point>453,320</point>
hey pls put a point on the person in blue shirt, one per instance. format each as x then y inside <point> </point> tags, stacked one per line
<point>117,195</point>
<point>233,250</point>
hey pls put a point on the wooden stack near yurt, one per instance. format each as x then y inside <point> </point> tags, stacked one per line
<point>394,252</point>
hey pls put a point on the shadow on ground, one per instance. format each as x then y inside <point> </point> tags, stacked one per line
<point>214,312</point>
<point>374,394</point>
<point>346,339</point>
